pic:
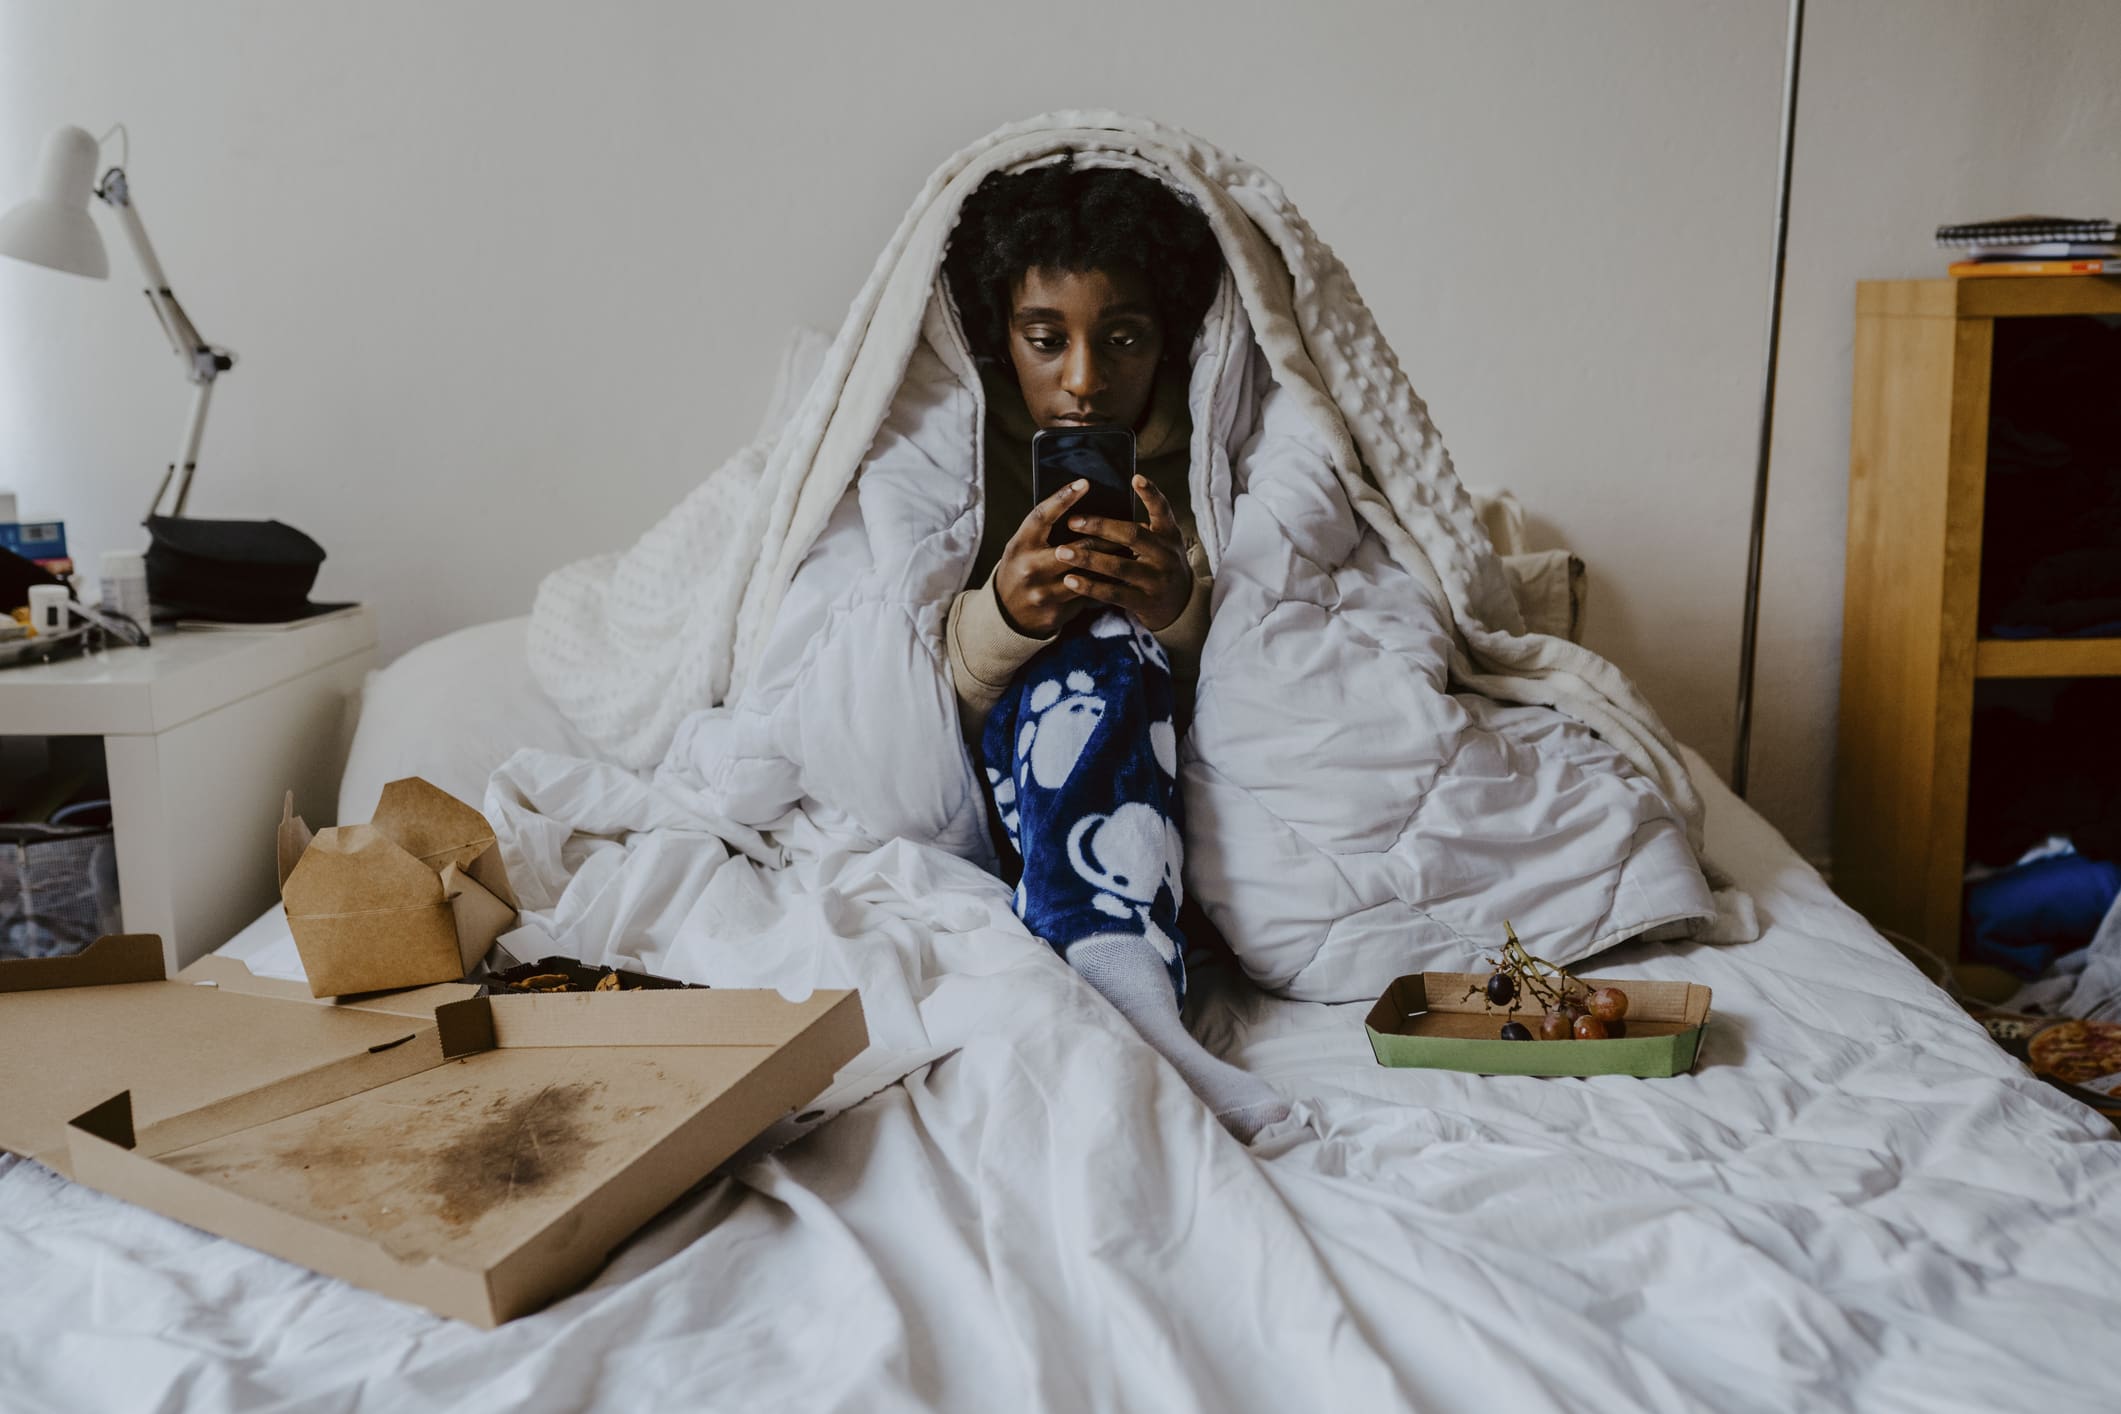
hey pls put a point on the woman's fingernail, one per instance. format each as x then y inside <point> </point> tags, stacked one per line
<point>1065,553</point>
<point>1080,486</point>
<point>1078,524</point>
<point>1074,583</point>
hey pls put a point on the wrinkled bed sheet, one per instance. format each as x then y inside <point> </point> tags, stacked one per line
<point>1855,1202</point>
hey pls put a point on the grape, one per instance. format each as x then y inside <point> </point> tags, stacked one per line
<point>1590,1028</point>
<point>1555,1027</point>
<point>1502,989</point>
<point>1615,1030</point>
<point>1609,1004</point>
<point>1515,1031</point>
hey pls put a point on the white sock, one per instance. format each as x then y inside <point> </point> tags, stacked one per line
<point>1126,972</point>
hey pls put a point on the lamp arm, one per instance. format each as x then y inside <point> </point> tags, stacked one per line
<point>204,362</point>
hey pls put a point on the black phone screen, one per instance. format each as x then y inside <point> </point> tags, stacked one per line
<point>1103,456</point>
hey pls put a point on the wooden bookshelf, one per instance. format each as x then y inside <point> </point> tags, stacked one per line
<point>1911,652</point>
<point>2047,658</point>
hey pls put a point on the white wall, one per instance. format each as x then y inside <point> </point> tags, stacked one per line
<point>506,278</point>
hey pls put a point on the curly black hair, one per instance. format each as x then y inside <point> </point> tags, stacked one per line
<point>1060,217</point>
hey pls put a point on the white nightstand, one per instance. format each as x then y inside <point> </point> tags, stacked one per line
<point>203,733</point>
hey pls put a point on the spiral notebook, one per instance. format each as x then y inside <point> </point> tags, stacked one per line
<point>2031,230</point>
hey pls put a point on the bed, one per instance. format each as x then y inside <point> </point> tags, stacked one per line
<point>1855,1201</point>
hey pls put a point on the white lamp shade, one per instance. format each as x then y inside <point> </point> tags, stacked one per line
<point>53,226</point>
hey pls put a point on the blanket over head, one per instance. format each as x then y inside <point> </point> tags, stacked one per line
<point>1383,765</point>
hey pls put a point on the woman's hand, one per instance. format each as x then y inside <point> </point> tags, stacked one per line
<point>1139,568</point>
<point>1029,577</point>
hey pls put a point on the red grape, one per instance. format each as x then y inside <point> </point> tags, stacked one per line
<point>1609,1004</point>
<point>1555,1027</point>
<point>1590,1028</point>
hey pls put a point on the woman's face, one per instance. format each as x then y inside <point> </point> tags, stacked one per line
<point>1086,345</point>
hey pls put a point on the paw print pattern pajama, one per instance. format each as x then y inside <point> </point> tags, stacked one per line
<point>1082,758</point>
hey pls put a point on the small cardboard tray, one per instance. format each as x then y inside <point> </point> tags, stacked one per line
<point>489,1162</point>
<point>1426,1020</point>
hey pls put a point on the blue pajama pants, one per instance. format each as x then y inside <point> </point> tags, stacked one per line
<point>1082,759</point>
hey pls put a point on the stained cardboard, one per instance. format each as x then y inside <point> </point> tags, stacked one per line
<point>417,895</point>
<point>1427,1020</point>
<point>490,1161</point>
<point>74,1030</point>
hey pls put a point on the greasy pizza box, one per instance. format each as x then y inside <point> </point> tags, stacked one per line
<point>1426,1020</point>
<point>490,1160</point>
<point>416,895</point>
<point>74,1030</point>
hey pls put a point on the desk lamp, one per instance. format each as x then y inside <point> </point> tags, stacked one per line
<point>53,228</point>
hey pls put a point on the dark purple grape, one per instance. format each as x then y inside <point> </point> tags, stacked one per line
<point>1516,1031</point>
<point>1502,989</point>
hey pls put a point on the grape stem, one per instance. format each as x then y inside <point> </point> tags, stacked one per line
<point>1550,985</point>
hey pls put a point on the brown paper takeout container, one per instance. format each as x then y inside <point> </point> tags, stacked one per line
<point>416,895</point>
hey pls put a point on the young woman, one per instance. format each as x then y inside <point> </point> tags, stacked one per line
<point>1080,291</point>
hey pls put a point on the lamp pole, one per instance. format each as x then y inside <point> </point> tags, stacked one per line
<point>205,361</point>
<point>1749,637</point>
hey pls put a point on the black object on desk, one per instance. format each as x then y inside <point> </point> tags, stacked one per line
<point>231,571</point>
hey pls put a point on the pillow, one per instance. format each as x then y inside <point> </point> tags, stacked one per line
<point>1548,584</point>
<point>451,710</point>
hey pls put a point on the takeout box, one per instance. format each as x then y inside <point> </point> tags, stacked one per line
<point>76,1030</point>
<point>416,895</point>
<point>489,1162</point>
<point>477,1156</point>
<point>1426,1020</point>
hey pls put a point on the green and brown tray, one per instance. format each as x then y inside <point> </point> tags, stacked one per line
<point>1426,1020</point>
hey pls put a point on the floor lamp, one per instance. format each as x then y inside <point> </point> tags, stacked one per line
<point>1748,642</point>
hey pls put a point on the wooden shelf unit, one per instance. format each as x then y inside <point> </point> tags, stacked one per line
<point>1910,650</point>
<point>2047,658</point>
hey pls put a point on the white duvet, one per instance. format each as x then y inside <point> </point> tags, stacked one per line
<point>1855,1202</point>
<point>1383,766</point>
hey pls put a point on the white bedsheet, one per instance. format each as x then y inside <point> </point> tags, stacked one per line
<point>1855,1202</point>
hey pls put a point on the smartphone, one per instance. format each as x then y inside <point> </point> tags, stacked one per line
<point>1103,456</point>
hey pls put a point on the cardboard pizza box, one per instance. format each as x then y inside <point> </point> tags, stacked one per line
<point>416,895</point>
<point>74,1030</point>
<point>490,1160</point>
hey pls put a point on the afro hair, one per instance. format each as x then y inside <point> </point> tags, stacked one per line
<point>1059,217</point>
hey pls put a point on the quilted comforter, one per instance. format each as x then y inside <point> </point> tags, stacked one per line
<point>1383,764</point>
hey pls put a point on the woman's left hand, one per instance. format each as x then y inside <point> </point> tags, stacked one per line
<point>1139,568</point>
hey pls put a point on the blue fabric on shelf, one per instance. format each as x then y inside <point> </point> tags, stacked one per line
<point>2025,917</point>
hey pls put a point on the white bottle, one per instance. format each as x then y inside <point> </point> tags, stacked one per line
<point>125,584</point>
<point>48,613</point>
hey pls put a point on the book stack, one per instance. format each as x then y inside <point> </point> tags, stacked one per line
<point>2035,245</point>
<point>43,542</point>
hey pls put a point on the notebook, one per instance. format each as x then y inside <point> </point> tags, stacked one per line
<point>2030,230</point>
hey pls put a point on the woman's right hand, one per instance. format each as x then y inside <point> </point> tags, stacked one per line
<point>1028,578</point>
